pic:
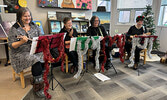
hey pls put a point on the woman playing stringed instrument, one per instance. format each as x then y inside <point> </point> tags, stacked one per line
<point>134,30</point>
<point>20,36</point>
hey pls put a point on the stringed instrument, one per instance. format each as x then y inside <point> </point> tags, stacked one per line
<point>67,4</point>
<point>164,58</point>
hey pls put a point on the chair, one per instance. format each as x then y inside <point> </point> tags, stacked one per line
<point>21,75</point>
<point>144,55</point>
<point>67,61</point>
<point>144,51</point>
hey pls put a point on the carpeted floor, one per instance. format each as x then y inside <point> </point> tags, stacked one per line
<point>126,85</point>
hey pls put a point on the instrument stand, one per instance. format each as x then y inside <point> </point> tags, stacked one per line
<point>83,73</point>
<point>52,78</point>
<point>111,65</point>
<point>139,67</point>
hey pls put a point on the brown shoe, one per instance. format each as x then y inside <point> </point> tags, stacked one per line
<point>72,69</point>
<point>135,66</point>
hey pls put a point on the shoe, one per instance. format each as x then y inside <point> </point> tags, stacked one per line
<point>72,69</point>
<point>38,86</point>
<point>135,66</point>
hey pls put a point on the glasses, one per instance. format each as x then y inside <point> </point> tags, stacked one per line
<point>96,20</point>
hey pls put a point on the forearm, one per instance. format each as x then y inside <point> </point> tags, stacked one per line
<point>17,44</point>
<point>67,42</point>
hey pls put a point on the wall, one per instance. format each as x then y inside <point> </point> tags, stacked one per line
<point>39,13</point>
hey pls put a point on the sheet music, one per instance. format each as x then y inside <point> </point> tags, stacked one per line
<point>33,45</point>
<point>73,43</point>
<point>101,77</point>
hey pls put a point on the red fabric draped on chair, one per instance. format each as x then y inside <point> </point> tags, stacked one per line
<point>45,43</point>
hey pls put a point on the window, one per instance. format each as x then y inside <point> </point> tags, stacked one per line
<point>137,13</point>
<point>124,16</point>
<point>124,4</point>
<point>106,3</point>
<point>163,13</point>
<point>129,9</point>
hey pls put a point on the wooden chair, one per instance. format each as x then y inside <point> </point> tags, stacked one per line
<point>144,51</point>
<point>21,75</point>
<point>67,61</point>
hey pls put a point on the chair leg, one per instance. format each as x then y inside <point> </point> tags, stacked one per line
<point>14,74</point>
<point>66,64</point>
<point>88,55</point>
<point>22,79</point>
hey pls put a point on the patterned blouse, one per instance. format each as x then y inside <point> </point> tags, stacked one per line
<point>20,57</point>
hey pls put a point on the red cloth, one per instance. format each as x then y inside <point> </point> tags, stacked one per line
<point>120,40</point>
<point>147,36</point>
<point>45,43</point>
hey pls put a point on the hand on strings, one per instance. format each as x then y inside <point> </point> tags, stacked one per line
<point>23,39</point>
<point>131,36</point>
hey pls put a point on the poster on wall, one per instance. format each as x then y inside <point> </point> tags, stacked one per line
<point>55,26</point>
<point>39,24</point>
<point>48,3</point>
<point>14,5</point>
<point>84,4</point>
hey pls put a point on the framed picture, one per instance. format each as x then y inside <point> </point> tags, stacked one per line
<point>61,15</point>
<point>39,24</point>
<point>78,16</point>
<point>103,16</point>
<point>67,3</point>
<point>52,15</point>
<point>62,24</point>
<point>77,26</point>
<point>14,5</point>
<point>48,3</point>
<point>84,4</point>
<point>84,27</point>
<point>55,26</point>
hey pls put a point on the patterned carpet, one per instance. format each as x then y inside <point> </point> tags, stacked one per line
<point>151,84</point>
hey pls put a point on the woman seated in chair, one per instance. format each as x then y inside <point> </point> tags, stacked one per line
<point>137,29</point>
<point>20,36</point>
<point>97,30</point>
<point>71,32</point>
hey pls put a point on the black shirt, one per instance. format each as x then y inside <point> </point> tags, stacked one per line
<point>67,38</point>
<point>134,31</point>
<point>96,31</point>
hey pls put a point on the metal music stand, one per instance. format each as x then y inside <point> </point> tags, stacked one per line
<point>52,78</point>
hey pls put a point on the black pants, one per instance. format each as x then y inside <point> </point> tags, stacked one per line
<point>73,56</point>
<point>128,47</point>
<point>37,69</point>
<point>107,51</point>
